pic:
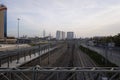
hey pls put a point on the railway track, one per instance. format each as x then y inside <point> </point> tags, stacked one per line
<point>85,61</point>
<point>55,61</point>
<point>63,61</point>
<point>66,56</point>
<point>71,57</point>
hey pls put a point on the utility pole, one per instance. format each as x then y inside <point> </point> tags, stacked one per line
<point>106,55</point>
<point>40,54</point>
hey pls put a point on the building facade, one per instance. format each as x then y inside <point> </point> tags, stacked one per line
<point>44,33</point>
<point>63,35</point>
<point>3,21</point>
<point>60,35</point>
<point>70,35</point>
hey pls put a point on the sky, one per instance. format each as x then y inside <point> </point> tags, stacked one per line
<point>86,18</point>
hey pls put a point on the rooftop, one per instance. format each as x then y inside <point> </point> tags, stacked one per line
<point>2,7</point>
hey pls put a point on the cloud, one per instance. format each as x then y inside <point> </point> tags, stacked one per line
<point>81,16</point>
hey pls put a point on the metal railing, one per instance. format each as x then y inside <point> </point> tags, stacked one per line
<point>56,73</point>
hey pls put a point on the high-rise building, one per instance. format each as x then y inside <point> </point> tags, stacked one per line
<point>70,35</point>
<point>63,35</point>
<point>3,21</point>
<point>60,35</point>
<point>44,33</point>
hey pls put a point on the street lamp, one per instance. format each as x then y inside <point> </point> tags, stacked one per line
<point>18,27</point>
<point>18,41</point>
<point>40,54</point>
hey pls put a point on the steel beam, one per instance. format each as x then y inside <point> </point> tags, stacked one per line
<point>63,69</point>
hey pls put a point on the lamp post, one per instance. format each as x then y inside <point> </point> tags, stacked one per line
<point>18,41</point>
<point>40,54</point>
<point>18,28</point>
<point>48,54</point>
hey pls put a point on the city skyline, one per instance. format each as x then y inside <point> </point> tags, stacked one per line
<point>86,18</point>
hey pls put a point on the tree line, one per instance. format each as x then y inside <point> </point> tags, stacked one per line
<point>107,39</point>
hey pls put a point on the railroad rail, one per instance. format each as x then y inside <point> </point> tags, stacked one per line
<point>75,65</point>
